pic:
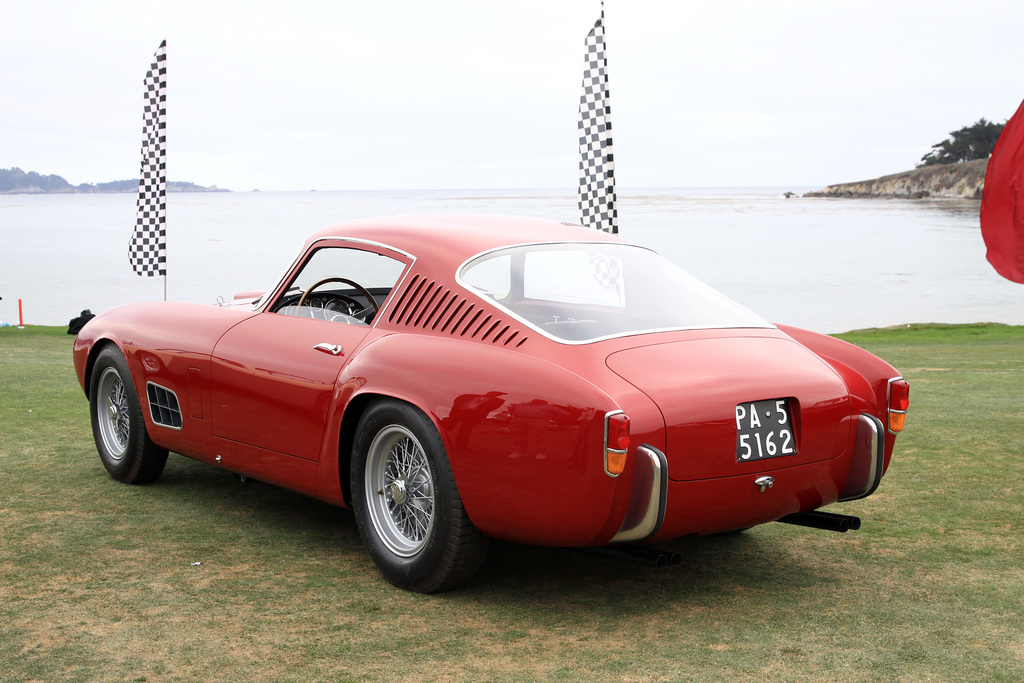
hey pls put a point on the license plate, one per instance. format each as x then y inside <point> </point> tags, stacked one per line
<point>764,429</point>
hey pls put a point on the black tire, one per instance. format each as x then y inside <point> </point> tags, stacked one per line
<point>407,505</point>
<point>118,427</point>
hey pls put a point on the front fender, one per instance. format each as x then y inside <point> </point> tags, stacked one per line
<point>165,330</point>
<point>168,344</point>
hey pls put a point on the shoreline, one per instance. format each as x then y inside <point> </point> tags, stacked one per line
<point>964,180</point>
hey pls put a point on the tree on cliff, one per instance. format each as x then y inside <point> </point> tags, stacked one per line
<point>970,142</point>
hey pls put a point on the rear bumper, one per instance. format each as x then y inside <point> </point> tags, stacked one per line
<point>662,509</point>
<point>711,506</point>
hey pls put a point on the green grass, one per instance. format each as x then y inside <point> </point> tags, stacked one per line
<point>97,580</point>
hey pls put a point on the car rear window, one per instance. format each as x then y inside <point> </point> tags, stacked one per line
<point>583,292</point>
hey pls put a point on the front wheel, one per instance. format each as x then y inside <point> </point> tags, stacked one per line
<point>118,427</point>
<point>407,505</point>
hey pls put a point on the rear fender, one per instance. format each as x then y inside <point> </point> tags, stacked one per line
<point>524,437</point>
<point>865,374</point>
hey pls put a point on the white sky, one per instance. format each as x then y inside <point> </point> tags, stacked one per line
<point>396,94</point>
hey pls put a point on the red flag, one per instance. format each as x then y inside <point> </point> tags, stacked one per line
<point>1002,203</point>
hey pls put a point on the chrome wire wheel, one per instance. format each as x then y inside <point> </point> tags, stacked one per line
<point>112,413</point>
<point>406,501</point>
<point>118,425</point>
<point>399,490</point>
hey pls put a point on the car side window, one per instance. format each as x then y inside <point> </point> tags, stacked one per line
<point>340,284</point>
<point>492,277</point>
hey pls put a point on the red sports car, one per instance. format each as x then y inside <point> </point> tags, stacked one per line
<point>458,378</point>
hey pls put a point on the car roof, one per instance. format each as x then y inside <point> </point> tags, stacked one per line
<point>454,238</point>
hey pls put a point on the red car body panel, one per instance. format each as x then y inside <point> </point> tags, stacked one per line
<point>699,398</point>
<point>277,383</point>
<point>522,415</point>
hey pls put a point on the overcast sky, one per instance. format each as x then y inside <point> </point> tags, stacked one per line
<point>396,94</point>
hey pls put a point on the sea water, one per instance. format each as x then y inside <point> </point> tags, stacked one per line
<point>826,264</point>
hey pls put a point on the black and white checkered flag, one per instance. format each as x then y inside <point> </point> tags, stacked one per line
<point>148,248</point>
<point>597,163</point>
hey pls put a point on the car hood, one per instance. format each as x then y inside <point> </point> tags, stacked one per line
<point>698,383</point>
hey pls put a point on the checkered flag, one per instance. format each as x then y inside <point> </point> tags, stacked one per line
<point>607,272</point>
<point>597,166</point>
<point>148,248</point>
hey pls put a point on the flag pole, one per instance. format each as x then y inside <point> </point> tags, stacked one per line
<point>163,238</point>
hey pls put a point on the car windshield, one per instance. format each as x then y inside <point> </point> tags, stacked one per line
<point>584,292</point>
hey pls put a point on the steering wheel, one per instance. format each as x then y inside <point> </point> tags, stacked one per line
<point>362,290</point>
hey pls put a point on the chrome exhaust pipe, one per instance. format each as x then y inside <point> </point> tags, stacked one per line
<point>829,521</point>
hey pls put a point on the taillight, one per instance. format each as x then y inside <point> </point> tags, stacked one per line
<point>616,442</point>
<point>899,402</point>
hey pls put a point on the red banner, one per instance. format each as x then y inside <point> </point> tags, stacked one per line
<point>1002,204</point>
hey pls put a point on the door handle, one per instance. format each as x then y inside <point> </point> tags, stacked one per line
<point>333,349</point>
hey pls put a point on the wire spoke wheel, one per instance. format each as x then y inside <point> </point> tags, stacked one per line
<point>112,416</point>
<point>407,503</point>
<point>400,490</point>
<point>118,426</point>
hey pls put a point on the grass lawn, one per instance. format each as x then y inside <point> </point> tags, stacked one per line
<point>200,577</point>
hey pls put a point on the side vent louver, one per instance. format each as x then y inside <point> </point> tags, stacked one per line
<point>163,406</point>
<point>429,306</point>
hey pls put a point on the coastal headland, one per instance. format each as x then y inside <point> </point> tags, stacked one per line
<point>16,181</point>
<point>964,180</point>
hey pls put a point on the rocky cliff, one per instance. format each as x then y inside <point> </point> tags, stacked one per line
<point>955,181</point>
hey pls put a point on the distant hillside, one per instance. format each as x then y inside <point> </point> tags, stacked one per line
<point>964,180</point>
<point>16,181</point>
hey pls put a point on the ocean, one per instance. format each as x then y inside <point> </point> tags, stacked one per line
<point>830,265</point>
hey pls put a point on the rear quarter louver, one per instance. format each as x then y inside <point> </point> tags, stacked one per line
<point>431,307</point>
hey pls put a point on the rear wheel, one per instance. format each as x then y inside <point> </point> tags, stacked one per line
<point>407,505</point>
<point>127,452</point>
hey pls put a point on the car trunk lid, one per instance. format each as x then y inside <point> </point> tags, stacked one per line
<point>698,384</point>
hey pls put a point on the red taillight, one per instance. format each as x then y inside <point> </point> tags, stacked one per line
<point>616,443</point>
<point>899,395</point>
<point>899,403</point>
<point>618,432</point>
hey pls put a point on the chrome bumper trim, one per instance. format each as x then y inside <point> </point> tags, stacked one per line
<point>870,446</point>
<point>648,494</point>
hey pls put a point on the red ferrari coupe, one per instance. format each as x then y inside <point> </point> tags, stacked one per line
<point>458,378</point>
